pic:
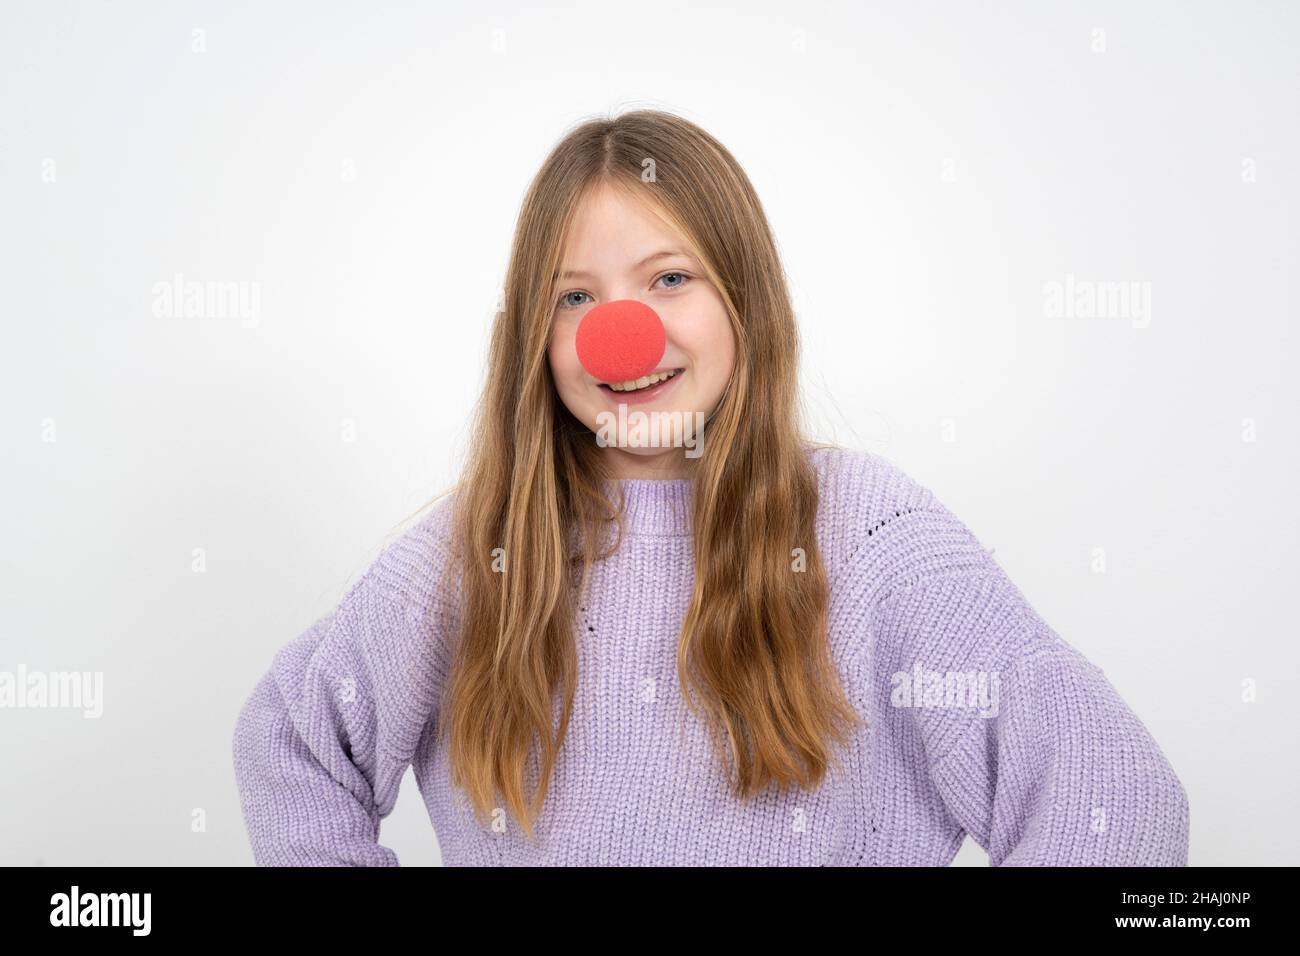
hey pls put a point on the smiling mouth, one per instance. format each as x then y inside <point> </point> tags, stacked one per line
<point>642,383</point>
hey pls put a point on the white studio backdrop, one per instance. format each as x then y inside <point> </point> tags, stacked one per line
<point>949,185</point>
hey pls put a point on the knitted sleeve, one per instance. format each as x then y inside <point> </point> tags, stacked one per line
<point>324,739</point>
<point>1030,748</point>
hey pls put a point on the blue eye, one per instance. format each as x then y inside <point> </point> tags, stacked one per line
<point>684,277</point>
<point>567,303</point>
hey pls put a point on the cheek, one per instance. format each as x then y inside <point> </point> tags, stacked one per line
<point>566,370</point>
<point>714,350</point>
<point>561,353</point>
<point>726,350</point>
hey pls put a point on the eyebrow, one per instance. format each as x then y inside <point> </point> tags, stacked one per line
<point>666,254</point>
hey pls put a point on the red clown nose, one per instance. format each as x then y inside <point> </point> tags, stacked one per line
<point>622,340</point>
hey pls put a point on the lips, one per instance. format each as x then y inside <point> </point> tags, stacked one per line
<point>643,381</point>
<point>641,395</point>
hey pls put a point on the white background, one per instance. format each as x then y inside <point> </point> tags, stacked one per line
<point>927,169</point>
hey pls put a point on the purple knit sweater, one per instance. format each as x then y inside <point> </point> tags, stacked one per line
<point>980,719</point>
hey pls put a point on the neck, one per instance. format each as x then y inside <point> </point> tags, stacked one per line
<point>670,464</point>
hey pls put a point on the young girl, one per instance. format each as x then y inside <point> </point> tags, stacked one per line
<point>736,647</point>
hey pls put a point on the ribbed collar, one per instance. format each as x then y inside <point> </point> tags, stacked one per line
<point>655,506</point>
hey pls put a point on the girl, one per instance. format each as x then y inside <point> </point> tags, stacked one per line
<point>737,647</point>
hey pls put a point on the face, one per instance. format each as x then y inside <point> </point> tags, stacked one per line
<point>614,253</point>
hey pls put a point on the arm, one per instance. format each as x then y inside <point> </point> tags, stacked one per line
<point>322,742</point>
<point>1058,770</point>
<point>1064,775</point>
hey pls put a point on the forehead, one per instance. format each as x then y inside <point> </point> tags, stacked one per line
<point>611,229</point>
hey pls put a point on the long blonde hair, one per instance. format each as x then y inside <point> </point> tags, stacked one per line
<point>753,644</point>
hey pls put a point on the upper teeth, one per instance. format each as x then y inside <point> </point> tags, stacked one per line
<point>643,382</point>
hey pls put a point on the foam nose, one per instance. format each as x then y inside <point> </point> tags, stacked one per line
<point>622,340</point>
